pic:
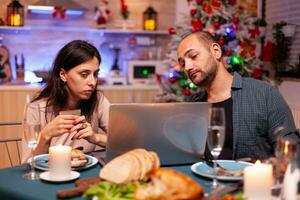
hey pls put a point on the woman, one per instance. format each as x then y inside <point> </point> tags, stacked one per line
<point>72,85</point>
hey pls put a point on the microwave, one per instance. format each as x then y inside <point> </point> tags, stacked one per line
<point>144,71</point>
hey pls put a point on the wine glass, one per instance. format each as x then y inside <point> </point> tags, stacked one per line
<point>216,136</point>
<point>32,128</point>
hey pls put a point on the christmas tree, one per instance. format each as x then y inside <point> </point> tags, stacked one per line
<point>237,32</point>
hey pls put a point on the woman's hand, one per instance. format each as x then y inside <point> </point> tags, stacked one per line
<point>58,126</point>
<point>85,131</point>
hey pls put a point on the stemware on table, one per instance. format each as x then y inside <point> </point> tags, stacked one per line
<point>31,130</point>
<point>216,136</point>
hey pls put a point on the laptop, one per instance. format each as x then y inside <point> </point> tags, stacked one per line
<point>175,131</point>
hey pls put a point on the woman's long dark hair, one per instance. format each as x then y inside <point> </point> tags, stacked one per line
<point>70,56</point>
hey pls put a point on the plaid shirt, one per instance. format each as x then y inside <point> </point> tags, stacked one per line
<point>257,109</point>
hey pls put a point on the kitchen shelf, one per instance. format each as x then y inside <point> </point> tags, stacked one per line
<point>8,29</point>
<point>14,29</point>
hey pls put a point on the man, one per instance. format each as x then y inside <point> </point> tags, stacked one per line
<point>254,110</point>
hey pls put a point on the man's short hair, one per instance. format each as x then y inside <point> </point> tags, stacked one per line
<point>203,36</point>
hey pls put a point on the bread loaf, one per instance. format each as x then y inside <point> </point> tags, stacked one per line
<point>133,165</point>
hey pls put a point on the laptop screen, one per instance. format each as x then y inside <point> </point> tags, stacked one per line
<point>175,131</point>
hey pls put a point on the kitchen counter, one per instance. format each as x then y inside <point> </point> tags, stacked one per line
<point>38,86</point>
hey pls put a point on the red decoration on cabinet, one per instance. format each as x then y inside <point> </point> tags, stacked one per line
<point>59,11</point>
<point>172,31</point>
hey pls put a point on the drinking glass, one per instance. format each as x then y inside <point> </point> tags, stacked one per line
<point>216,136</point>
<point>32,128</point>
<point>285,152</point>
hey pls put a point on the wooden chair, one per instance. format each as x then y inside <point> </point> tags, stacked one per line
<point>10,147</point>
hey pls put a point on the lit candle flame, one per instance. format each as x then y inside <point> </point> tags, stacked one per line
<point>257,162</point>
<point>286,147</point>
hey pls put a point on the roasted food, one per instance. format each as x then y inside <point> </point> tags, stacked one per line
<point>78,158</point>
<point>162,184</point>
<point>166,184</point>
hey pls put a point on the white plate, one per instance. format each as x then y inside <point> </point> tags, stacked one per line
<point>46,177</point>
<point>41,163</point>
<point>202,169</point>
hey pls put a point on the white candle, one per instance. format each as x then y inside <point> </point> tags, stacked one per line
<point>258,180</point>
<point>60,162</point>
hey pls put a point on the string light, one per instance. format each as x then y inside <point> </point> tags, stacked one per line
<point>171,75</point>
<point>236,60</point>
<point>228,60</point>
<point>191,85</point>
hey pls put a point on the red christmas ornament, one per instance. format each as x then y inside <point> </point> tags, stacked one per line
<point>232,2</point>
<point>124,8</point>
<point>172,80</point>
<point>132,40</point>
<point>257,73</point>
<point>228,53</point>
<point>186,92</point>
<point>209,5</point>
<point>158,78</point>
<point>217,24</point>
<point>207,8</point>
<point>247,49</point>
<point>234,27</point>
<point>221,41</point>
<point>235,20</point>
<point>172,31</point>
<point>197,25</point>
<point>193,12</point>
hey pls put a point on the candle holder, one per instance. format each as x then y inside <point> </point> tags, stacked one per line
<point>285,152</point>
<point>150,19</point>
<point>15,14</point>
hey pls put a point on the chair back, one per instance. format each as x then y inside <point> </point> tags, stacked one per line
<point>10,147</point>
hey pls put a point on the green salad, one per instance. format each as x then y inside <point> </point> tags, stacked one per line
<point>111,191</point>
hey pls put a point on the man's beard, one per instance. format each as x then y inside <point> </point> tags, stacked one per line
<point>208,76</point>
